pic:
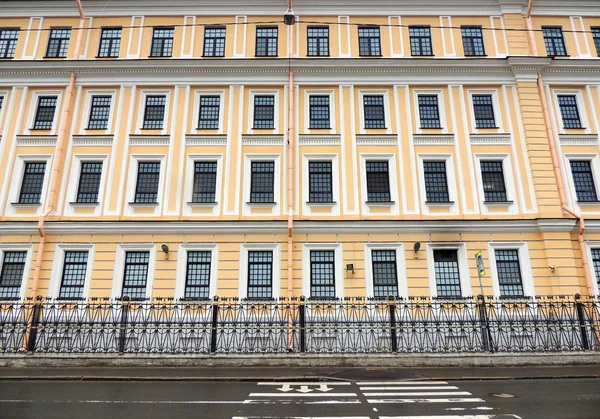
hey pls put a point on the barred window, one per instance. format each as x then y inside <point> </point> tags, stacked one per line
<point>33,182</point>
<point>135,276</point>
<point>378,181</point>
<point>420,40</point>
<point>99,112</point>
<point>374,112</point>
<point>260,274</point>
<point>148,177</point>
<point>11,276</point>
<point>205,181</point>
<point>483,109</point>
<point>208,115</point>
<point>595,36</point>
<point>264,112</point>
<point>472,37</point>
<point>8,42</point>
<point>89,182</point>
<point>447,274</point>
<point>266,41</point>
<point>429,111</point>
<point>110,43</point>
<point>509,273</point>
<point>318,41</point>
<point>569,111</point>
<point>322,274</point>
<point>436,183</point>
<point>44,116</point>
<point>492,178</point>
<point>554,41</point>
<point>214,41</point>
<point>197,278</point>
<point>262,181</point>
<point>369,43</point>
<point>73,275</point>
<point>320,181</point>
<point>596,262</point>
<point>319,112</point>
<point>58,42</point>
<point>583,180</point>
<point>154,112</point>
<point>385,275</point>
<point>162,42</point>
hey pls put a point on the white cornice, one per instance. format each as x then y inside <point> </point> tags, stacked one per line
<point>36,140</point>
<point>367,139</point>
<point>149,140</point>
<point>206,140</point>
<point>262,139</point>
<point>93,140</point>
<point>433,139</point>
<point>312,139</point>
<point>585,139</point>
<point>490,139</point>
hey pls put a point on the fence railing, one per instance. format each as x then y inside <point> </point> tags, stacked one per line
<point>415,325</point>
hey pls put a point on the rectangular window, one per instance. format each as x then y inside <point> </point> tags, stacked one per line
<point>385,275</point>
<point>583,180</point>
<point>262,181</point>
<point>555,43</point>
<point>197,278</point>
<point>447,274</point>
<point>320,181</point>
<point>154,112</point>
<point>146,190</point>
<point>472,37</point>
<point>58,42</point>
<point>214,42</point>
<point>110,43</point>
<point>569,111</point>
<point>378,181</point>
<point>73,275</point>
<point>319,112</point>
<point>595,36</point>
<point>369,43</point>
<point>99,112</point>
<point>596,262</point>
<point>429,111</point>
<point>492,178</point>
<point>483,109</point>
<point>264,112</point>
<point>420,40</point>
<point>318,41</point>
<point>135,276</point>
<point>89,182</point>
<point>33,182</point>
<point>322,274</point>
<point>44,116</point>
<point>11,277</point>
<point>436,182</point>
<point>374,112</point>
<point>1,102</point>
<point>208,115</point>
<point>162,42</point>
<point>8,42</point>
<point>266,41</point>
<point>509,273</point>
<point>205,181</point>
<point>260,274</point>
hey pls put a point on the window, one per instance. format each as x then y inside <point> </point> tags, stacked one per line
<point>368,41</point>
<point>436,183</point>
<point>208,115</point>
<point>154,113</point>
<point>110,43</point>
<point>264,112</point>
<point>58,43</point>
<point>555,43</point>
<point>447,274</point>
<point>260,274</point>
<point>135,275</point>
<point>319,112</point>
<point>374,112</point>
<point>8,42</point>
<point>33,182</point>
<point>261,182</point>
<point>99,112</point>
<point>492,177</point>
<point>197,278</point>
<point>583,180</point>
<point>429,111</point>
<point>322,274</point>
<point>318,41</point>
<point>595,261</point>
<point>89,182</point>
<point>595,35</point>
<point>11,276</point>
<point>378,181</point>
<point>73,275</point>
<point>320,181</point>
<point>509,273</point>
<point>146,190</point>
<point>483,109</point>
<point>1,102</point>
<point>162,42</point>
<point>472,37</point>
<point>266,41</point>
<point>214,42</point>
<point>420,40</point>
<point>385,275</point>
<point>569,111</point>
<point>44,116</point>
<point>205,181</point>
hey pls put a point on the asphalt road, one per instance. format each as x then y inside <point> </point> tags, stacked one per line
<point>544,399</point>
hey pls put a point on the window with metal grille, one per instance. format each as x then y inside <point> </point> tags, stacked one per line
<point>554,41</point>
<point>266,41</point>
<point>99,112</point>
<point>58,42</point>
<point>264,112</point>
<point>110,43</point>
<point>583,180</point>
<point>154,112</point>
<point>378,181</point>
<point>262,181</point>
<point>148,177</point>
<point>509,273</point>
<point>596,262</point>
<point>214,41</point>
<point>369,43</point>
<point>208,115</point>
<point>162,42</point>
<point>319,112</point>
<point>205,181</point>
<point>11,277</point>
<point>420,40</point>
<point>385,275</point>
<point>436,182</point>
<point>44,116</point>
<point>595,36</point>
<point>8,42</point>
<point>73,275</point>
<point>322,274</point>
<point>135,276</point>
<point>320,181</point>
<point>483,109</point>
<point>492,178</point>
<point>197,278</point>
<point>374,112</point>
<point>472,37</point>
<point>260,274</point>
<point>569,111</point>
<point>447,274</point>
<point>318,41</point>
<point>429,111</point>
<point>33,182</point>
<point>89,182</point>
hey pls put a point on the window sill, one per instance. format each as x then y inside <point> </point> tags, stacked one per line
<point>484,128</point>
<point>23,205</point>
<point>160,56</point>
<point>498,203</point>
<point>318,128</point>
<point>213,56</point>
<point>558,56</point>
<point>588,203</point>
<point>202,204</point>
<point>144,204</point>
<point>263,128</point>
<point>380,203</point>
<point>318,56</point>
<point>447,204</point>
<point>55,58</point>
<point>573,129</point>
<point>261,204</point>
<point>475,55</point>
<point>430,128</point>
<point>10,300</point>
<point>371,56</point>
<point>423,55</point>
<point>99,57</point>
<point>84,204</point>
<point>321,204</point>
<point>266,56</point>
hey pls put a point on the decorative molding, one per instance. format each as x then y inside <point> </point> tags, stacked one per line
<point>36,140</point>
<point>490,139</point>
<point>206,140</point>
<point>433,139</point>
<point>366,139</point>
<point>93,140</point>
<point>150,140</point>
<point>578,139</point>
<point>311,139</point>
<point>257,139</point>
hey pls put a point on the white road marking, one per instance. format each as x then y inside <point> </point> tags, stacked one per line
<point>384,388</point>
<point>453,400</point>
<point>452,417</point>
<point>129,401</point>
<point>400,383</point>
<point>421,393</point>
<point>318,383</point>
<point>284,395</point>
<point>301,417</point>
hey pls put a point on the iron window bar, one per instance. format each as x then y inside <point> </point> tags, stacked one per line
<point>266,41</point>
<point>44,116</point>
<point>429,112</point>
<point>110,43</point>
<point>205,182</point>
<point>135,276</point>
<point>262,179</point>
<point>436,182</point>
<point>369,42</point>
<point>11,276</point>
<point>197,279</point>
<point>492,178</point>
<point>99,112</point>
<point>148,177</point>
<point>73,275</point>
<point>583,180</point>
<point>208,114</point>
<point>509,273</point>
<point>260,275</point>
<point>483,109</point>
<point>320,182</point>
<point>154,112</point>
<point>472,37</point>
<point>214,41</point>
<point>58,42</point>
<point>33,183</point>
<point>447,273</point>
<point>318,41</point>
<point>569,111</point>
<point>378,181</point>
<point>322,274</point>
<point>8,42</point>
<point>89,182</point>
<point>554,41</point>
<point>162,42</point>
<point>420,41</point>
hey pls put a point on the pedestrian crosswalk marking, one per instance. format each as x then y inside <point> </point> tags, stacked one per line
<point>453,417</point>
<point>445,400</point>
<point>421,393</point>
<point>410,388</point>
<point>305,383</point>
<point>399,383</point>
<point>284,395</point>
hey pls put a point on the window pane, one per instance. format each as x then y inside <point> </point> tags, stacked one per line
<point>89,182</point>
<point>208,117</point>
<point>44,116</point>
<point>385,276</point>
<point>492,177</point>
<point>264,112</point>
<point>266,42</point>
<point>553,39</point>
<point>420,40</point>
<point>58,42</point>
<point>319,112</point>
<point>318,41</point>
<point>596,36</point>
<point>583,180</point>
<point>110,42</point>
<point>369,41</point>
<point>374,112</point>
<point>162,42</point>
<point>447,274</point>
<point>262,180</point>
<point>378,181</point>
<point>509,273</point>
<point>154,113</point>
<point>99,112</point>
<point>197,280</point>
<point>322,274</point>
<point>11,276</point>
<point>596,262</point>
<point>147,182</point>
<point>436,184</point>
<point>320,181</point>
<point>135,275</point>
<point>484,111</point>
<point>33,182</point>
<point>569,111</point>
<point>205,179</point>
<point>73,276</point>
<point>429,112</point>
<point>214,42</point>
<point>472,40</point>
<point>260,274</point>
<point>8,42</point>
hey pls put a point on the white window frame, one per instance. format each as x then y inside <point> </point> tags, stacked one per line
<point>243,272</point>
<point>35,99</point>
<point>386,110</point>
<point>88,108</point>
<point>463,267</point>
<point>589,245</point>
<point>276,116</point>
<point>400,266</point>
<point>450,179</point>
<point>26,269</point>
<point>595,165</point>
<point>119,270</point>
<point>275,208</point>
<point>17,181</point>
<point>393,173</point>
<point>335,187</point>
<point>585,123</point>
<point>338,266</point>
<point>142,109</point>
<point>197,95</point>
<point>441,109</point>
<point>59,263</point>
<point>135,160</point>
<point>75,178</point>
<point>524,263</point>
<point>189,185</point>
<point>495,105</point>
<point>509,182</point>
<point>4,97</point>
<point>332,120</point>
<point>182,256</point>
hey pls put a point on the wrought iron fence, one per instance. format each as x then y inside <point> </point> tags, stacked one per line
<point>418,324</point>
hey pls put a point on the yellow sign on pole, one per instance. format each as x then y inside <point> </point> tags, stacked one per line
<point>479,260</point>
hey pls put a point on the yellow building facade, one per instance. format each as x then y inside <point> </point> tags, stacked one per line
<point>189,150</point>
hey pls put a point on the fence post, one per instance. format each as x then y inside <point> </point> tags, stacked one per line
<point>585,343</point>
<point>486,333</point>
<point>392,309</point>
<point>123,325</point>
<point>302,318</point>
<point>213,330</point>
<point>35,321</point>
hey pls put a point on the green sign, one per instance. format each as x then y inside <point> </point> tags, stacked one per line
<point>479,259</point>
